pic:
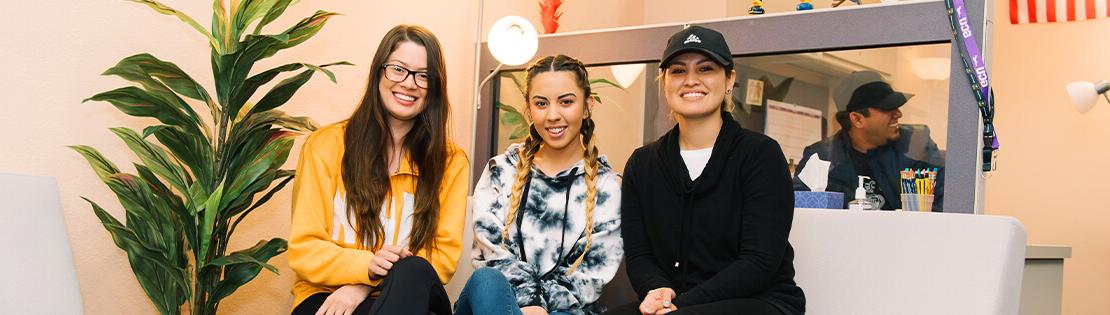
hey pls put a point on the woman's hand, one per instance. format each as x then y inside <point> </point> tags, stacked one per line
<point>344,300</point>
<point>658,301</point>
<point>533,310</point>
<point>384,259</point>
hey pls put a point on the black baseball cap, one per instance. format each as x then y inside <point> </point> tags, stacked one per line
<point>698,39</point>
<point>876,94</point>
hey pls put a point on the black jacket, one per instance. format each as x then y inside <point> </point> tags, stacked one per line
<point>723,236</point>
<point>914,149</point>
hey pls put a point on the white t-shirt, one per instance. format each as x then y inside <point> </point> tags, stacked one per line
<point>695,160</point>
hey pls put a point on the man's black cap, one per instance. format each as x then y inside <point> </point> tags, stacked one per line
<point>698,39</point>
<point>876,94</point>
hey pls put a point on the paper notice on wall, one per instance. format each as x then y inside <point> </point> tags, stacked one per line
<point>793,126</point>
<point>754,97</point>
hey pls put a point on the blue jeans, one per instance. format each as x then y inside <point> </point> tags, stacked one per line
<point>487,292</point>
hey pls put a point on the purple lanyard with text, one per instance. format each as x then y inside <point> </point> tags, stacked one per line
<point>976,70</point>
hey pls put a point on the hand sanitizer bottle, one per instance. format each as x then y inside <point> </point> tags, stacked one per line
<point>861,202</point>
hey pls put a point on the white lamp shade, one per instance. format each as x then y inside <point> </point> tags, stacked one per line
<point>933,68</point>
<point>1083,95</point>
<point>626,74</point>
<point>513,40</point>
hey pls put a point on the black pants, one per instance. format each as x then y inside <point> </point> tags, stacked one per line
<point>412,287</point>
<point>745,306</point>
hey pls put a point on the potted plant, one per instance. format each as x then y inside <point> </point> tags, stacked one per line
<point>199,176</point>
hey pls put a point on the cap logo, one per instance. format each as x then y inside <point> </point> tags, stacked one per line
<point>692,39</point>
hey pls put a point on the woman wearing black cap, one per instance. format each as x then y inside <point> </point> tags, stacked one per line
<point>707,208</point>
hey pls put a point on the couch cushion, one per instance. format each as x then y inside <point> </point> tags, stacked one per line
<point>894,262</point>
<point>39,276</point>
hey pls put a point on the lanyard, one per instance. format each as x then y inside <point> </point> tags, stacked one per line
<point>976,70</point>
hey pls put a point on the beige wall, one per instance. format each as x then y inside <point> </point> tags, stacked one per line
<point>667,11</point>
<point>578,15</point>
<point>929,105</point>
<point>1050,173</point>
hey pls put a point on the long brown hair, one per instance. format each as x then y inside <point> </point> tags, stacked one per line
<point>368,139</point>
<point>533,142</point>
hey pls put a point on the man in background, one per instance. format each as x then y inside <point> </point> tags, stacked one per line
<point>871,142</point>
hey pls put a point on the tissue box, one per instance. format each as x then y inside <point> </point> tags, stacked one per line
<point>819,199</point>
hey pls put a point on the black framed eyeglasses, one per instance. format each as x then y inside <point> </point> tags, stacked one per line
<point>397,73</point>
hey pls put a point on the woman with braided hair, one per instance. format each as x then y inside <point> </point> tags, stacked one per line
<point>546,212</point>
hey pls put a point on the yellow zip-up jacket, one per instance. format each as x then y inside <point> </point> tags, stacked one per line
<point>322,247</point>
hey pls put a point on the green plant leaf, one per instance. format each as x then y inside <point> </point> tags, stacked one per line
<point>194,151</point>
<point>269,119</point>
<point>221,29</point>
<point>165,208</point>
<point>164,9</point>
<point>197,196</point>
<point>605,83</point>
<point>154,157</point>
<point>140,103</point>
<point>300,123</point>
<point>510,115</point>
<point>302,31</point>
<point>169,74</point>
<point>152,228</point>
<point>272,14</point>
<point>232,69</point>
<point>132,71</point>
<point>273,154</point>
<point>155,275</point>
<point>283,91</point>
<point>211,210</point>
<point>102,166</point>
<point>247,12</point>
<point>518,78</point>
<point>147,217</point>
<point>331,76</point>
<point>513,119</point>
<point>152,129</point>
<point>254,82</point>
<point>243,266</point>
<point>184,219</point>
<point>240,203</point>
<point>518,133</point>
<point>251,255</point>
<point>247,146</point>
<point>288,175</point>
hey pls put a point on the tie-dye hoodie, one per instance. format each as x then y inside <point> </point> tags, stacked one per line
<point>548,234</point>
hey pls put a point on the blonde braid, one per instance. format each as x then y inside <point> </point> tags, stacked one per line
<point>523,170</point>
<point>590,153</point>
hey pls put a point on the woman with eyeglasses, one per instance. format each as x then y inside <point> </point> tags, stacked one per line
<point>379,199</point>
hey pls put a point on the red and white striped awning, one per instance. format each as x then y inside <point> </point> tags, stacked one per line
<point>1049,11</point>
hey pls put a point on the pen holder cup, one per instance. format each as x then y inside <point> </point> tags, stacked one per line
<point>915,202</point>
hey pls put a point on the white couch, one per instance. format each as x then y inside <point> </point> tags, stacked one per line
<point>883,262</point>
<point>38,275</point>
